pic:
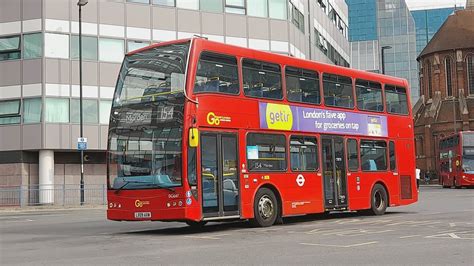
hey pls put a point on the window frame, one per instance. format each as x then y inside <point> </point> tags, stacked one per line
<point>265,62</point>
<point>316,153</point>
<point>239,74</point>
<point>18,50</point>
<point>357,153</point>
<point>318,82</point>
<point>385,99</point>
<point>285,145</point>
<point>381,95</point>
<point>352,89</point>
<point>385,153</point>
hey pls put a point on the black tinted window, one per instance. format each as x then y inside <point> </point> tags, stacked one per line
<point>338,91</point>
<point>217,73</point>
<point>391,151</point>
<point>262,80</point>
<point>369,96</point>
<point>352,155</point>
<point>302,85</point>
<point>266,152</point>
<point>396,99</point>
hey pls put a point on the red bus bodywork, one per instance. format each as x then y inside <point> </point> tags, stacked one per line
<point>454,153</point>
<point>243,114</point>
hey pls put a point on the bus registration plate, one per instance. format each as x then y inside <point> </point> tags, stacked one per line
<point>141,215</point>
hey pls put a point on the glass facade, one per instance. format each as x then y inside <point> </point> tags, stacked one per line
<point>390,25</point>
<point>427,23</point>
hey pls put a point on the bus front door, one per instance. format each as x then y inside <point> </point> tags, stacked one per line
<point>219,174</point>
<point>334,173</point>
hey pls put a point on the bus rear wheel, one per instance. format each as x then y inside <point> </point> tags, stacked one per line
<point>265,207</point>
<point>379,200</point>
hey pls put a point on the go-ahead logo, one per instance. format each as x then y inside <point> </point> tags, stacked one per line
<point>140,203</point>
<point>213,119</point>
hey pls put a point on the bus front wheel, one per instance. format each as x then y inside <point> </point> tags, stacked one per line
<point>266,209</point>
<point>379,200</point>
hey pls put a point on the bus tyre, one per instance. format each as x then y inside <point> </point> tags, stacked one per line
<point>379,200</point>
<point>456,186</point>
<point>265,207</point>
<point>195,224</point>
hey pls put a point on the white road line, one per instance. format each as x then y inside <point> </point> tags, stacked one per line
<point>340,246</point>
<point>453,236</point>
<point>402,237</point>
<point>213,237</point>
<point>452,224</point>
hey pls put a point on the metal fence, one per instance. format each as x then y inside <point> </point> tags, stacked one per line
<point>59,195</point>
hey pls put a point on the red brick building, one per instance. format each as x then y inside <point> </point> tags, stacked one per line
<point>446,71</point>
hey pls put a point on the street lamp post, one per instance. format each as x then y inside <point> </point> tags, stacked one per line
<point>383,57</point>
<point>81,3</point>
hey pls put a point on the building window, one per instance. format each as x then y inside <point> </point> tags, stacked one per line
<point>10,112</point>
<point>32,110</point>
<point>32,46</point>
<point>277,9</point>
<point>164,2</point>
<point>338,91</point>
<point>217,73</point>
<point>262,80</point>
<point>373,155</point>
<point>111,50</point>
<point>104,111</point>
<point>369,95</point>
<point>10,48</point>
<point>56,110</point>
<point>89,47</point>
<point>89,111</point>
<point>429,81</point>
<point>257,8</point>
<point>297,17</point>
<point>235,6</point>
<point>266,152</point>
<point>211,5</point>
<point>303,153</point>
<point>470,73</point>
<point>56,45</point>
<point>135,45</point>
<point>188,4</point>
<point>302,85</point>
<point>449,76</point>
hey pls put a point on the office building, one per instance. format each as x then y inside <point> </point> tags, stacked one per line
<point>384,23</point>
<point>39,106</point>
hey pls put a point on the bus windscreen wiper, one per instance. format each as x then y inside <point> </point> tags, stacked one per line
<point>128,182</point>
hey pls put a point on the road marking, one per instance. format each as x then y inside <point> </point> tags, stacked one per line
<point>402,237</point>
<point>453,235</point>
<point>213,237</point>
<point>340,246</point>
<point>452,224</point>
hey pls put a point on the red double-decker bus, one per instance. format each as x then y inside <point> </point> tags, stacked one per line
<point>203,131</point>
<point>456,158</point>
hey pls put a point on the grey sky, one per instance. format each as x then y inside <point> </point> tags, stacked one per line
<point>429,4</point>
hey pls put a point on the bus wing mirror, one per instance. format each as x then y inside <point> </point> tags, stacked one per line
<point>193,137</point>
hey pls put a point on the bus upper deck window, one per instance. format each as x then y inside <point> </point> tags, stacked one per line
<point>262,80</point>
<point>217,73</point>
<point>396,99</point>
<point>338,91</point>
<point>369,96</point>
<point>302,85</point>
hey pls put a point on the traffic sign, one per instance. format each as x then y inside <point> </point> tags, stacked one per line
<point>82,144</point>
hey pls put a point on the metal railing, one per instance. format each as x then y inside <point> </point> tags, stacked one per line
<point>57,195</point>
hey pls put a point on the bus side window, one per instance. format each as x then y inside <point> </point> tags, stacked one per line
<point>303,153</point>
<point>217,73</point>
<point>302,85</point>
<point>373,155</point>
<point>338,91</point>
<point>352,155</point>
<point>266,152</point>
<point>261,79</point>
<point>369,96</point>
<point>393,158</point>
<point>396,100</point>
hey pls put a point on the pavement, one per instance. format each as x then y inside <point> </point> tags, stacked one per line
<point>438,230</point>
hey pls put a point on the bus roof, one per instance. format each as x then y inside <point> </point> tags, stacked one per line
<point>284,59</point>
